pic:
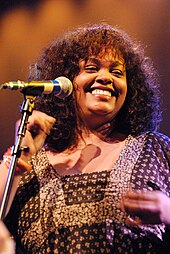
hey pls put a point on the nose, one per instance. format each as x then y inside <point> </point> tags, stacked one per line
<point>104,77</point>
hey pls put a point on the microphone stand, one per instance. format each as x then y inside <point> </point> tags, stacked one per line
<point>26,110</point>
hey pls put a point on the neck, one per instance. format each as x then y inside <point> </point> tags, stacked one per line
<point>103,133</point>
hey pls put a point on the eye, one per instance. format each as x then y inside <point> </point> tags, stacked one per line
<point>118,73</point>
<point>91,68</point>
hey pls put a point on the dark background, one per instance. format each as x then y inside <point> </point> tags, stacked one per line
<point>28,26</point>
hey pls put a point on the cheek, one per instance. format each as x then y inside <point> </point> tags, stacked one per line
<point>78,92</point>
<point>122,87</point>
<point>125,91</point>
<point>78,95</point>
<point>79,86</point>
<point>123,95</point>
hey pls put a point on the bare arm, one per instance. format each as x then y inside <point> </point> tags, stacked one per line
<point>37,130</point>
<point>7,244</point>
<point>3,178</point>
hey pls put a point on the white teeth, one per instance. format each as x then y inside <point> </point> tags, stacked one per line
<point>99,91</point>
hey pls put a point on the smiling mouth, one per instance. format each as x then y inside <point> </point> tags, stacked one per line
<point>104,92</point>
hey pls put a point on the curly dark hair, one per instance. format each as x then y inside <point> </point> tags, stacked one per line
<point>141,110</point>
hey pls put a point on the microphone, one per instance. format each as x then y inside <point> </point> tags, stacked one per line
<point>61,87</point>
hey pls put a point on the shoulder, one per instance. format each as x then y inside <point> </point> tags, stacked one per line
<point>159,138</point>
<point>156,137</point>
<point>156,142</point>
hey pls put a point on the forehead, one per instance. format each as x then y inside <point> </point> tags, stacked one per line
<point>107,55</point>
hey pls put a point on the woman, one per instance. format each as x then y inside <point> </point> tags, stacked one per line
<point>96,157</point>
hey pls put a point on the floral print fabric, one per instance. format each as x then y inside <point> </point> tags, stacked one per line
<point>81,213</point>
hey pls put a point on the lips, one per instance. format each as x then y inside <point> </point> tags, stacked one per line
<point>103,91</point>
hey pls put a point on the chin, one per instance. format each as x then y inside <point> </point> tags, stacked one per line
<point>103,111</point>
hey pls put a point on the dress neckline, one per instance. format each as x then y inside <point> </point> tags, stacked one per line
<point>78,174</point>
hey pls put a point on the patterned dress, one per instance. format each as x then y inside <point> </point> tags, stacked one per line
<point>80,213</point>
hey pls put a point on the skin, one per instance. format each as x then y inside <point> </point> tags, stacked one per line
<point>40,124</point>
<point>146,207</point>
<point>7,245</point>
<point>105,72</point>
<point>97,110</point>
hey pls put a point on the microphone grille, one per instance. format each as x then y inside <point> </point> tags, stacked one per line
<point>66,87</point>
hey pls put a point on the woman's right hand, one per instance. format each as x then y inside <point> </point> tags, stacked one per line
<point>38,127</point>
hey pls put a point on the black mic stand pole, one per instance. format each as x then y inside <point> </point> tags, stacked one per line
<point>26,110</point>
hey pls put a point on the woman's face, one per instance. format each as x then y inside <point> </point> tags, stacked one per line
<point>101,88</point>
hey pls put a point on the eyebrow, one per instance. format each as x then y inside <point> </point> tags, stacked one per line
<point>96,61</point>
